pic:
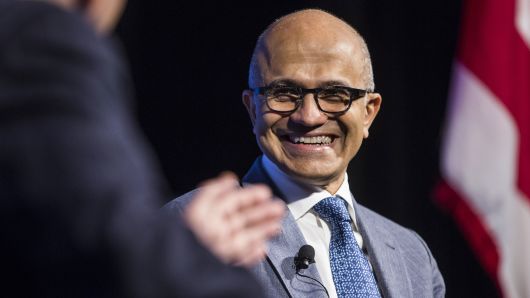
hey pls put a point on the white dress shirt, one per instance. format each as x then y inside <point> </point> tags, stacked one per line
<point>315,230</point>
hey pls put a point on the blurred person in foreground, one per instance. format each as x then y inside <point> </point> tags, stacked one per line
<point>311,101</point>
<point>79,190</point>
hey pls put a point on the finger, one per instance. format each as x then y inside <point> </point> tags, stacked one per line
<point>239,218</point>
<point>259,214</point>
<point>255,194</point>
<point>226,175</point>
<point>240,199</point>
<point>268,211</point>
<point>204,202</point>
<point>249,246</point>
<point>213,190</point>
<point>255,236</point>
<point>252,257</point>
<point>210,203</point>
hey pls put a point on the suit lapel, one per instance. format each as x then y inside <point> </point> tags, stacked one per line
<point>283,248</point>
<point>387,261</point>
<point>384,254</point>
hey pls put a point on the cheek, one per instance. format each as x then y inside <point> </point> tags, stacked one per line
<point>265,123</point>
<point>353,128</point>
<point>267,140</point>
<point>260,126</point>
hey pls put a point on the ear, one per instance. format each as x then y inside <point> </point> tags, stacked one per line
<point>248,101</point>
<point>373,103</point>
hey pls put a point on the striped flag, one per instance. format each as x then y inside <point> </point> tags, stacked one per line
<point>485,161</point>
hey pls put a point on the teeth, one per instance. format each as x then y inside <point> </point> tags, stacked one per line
<point>311,140</point>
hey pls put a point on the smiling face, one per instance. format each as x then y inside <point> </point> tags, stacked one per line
<point>311,51</point>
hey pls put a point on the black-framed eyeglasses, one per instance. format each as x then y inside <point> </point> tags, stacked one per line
<point>287,99</point>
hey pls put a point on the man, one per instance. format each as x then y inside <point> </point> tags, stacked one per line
<point>311,103</point>
<point>78,187</point>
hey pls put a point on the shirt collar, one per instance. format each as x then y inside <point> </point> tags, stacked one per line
<point>301,197</point>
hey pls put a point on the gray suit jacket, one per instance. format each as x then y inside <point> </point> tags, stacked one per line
<point>403,264</point>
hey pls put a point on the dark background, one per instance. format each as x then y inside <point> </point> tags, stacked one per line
<point>190,62</point>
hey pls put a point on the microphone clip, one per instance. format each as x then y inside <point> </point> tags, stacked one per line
<point>302,263</point>
<point>304,258</point>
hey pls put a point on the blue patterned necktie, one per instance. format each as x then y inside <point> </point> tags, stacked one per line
<point>351,271</point>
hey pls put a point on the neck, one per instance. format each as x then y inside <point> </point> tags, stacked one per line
<point>334,186</point>
<point>331,186</point>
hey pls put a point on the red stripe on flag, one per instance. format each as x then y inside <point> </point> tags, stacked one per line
<point>492,48</point>
<point>472,227</point>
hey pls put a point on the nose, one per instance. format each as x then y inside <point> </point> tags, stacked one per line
<point>308,113</point>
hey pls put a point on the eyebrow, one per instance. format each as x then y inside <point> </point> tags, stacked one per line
<point>290,82</point>
<point>284,82</point>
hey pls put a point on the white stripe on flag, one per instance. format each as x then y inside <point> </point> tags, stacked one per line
<point>522,22</point>
<point>479,160</point>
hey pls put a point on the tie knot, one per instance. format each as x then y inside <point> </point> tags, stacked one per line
<point>332,210</point>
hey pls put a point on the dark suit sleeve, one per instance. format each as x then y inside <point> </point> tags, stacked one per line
<point>77,185</point>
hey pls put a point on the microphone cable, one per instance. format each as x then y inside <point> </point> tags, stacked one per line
<point>305,257</point>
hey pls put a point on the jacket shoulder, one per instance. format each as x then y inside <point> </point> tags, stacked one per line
<point>420,265</point>
<point>371,217</point>
<point>407,239</point>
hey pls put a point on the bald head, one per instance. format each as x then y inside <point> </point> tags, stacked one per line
<point>300,35</point>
